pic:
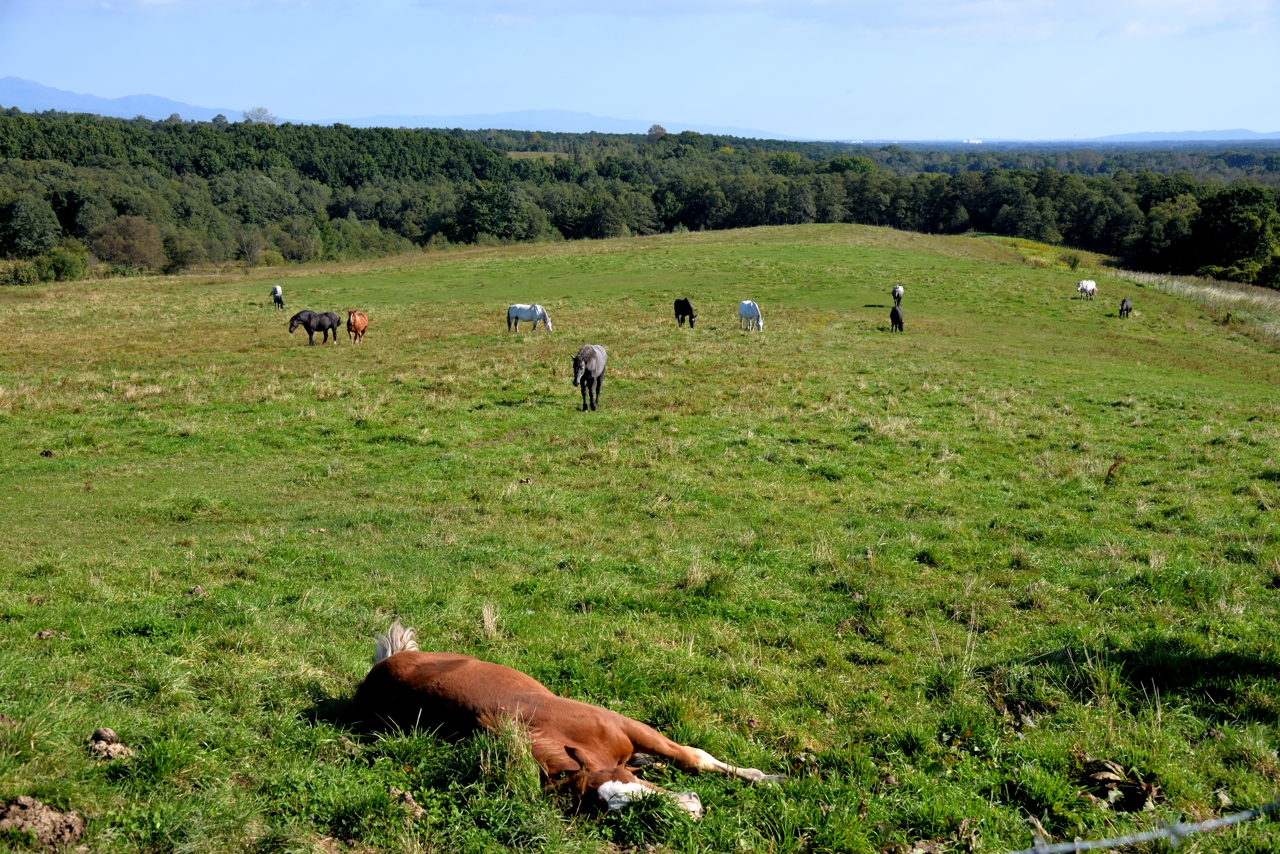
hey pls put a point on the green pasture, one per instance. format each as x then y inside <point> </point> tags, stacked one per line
<point>931,576</point>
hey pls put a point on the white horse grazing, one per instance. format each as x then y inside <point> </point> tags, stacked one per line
<point>897,294</point>
<point>535,312</point>
<point>749,316</point>
<point>1087,288</point>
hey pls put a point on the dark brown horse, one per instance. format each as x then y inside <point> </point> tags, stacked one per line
<point>313,323</point>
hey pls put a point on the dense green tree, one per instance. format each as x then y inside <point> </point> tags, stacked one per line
<point>1236,233</point>
<point>182,249</point>
<point>787,163</point>
<point>255,190</point>
<point>843,164</point>
<point>32,228</point>
<point>1166,240</point>
<point>129,241</point>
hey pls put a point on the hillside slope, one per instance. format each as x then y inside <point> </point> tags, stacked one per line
<point>928,575</point>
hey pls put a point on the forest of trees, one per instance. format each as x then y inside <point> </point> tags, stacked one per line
<point>78,191</point>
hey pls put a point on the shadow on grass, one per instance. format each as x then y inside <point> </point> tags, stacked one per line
<point>1228,685</point>
<point>338,712</point>
<point>1219,686</point>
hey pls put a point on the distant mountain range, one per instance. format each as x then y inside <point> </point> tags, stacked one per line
<point>1238,135</point>
<point>33,97</point>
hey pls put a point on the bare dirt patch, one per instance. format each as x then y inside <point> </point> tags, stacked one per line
<point>49,828</point>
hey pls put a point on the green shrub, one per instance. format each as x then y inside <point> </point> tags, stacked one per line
<point>43,268</point>
<point>68,260</point>
<point>18,273</point>
<point>181,250</point>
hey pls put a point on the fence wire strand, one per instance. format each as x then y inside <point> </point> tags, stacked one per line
<point>1175,833</point>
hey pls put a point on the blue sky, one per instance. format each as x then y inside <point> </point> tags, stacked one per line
<point>916,69</point>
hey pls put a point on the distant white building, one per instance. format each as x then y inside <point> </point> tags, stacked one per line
<point>972,141</point>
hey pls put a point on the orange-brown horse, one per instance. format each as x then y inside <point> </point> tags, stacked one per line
<point>357,323</point>
<point>579,746</point>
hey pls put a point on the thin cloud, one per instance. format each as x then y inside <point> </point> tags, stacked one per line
<point>1020,18</point>
<point>990,18</point>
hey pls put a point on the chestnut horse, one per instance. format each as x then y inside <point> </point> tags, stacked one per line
<point>357,323</point>
<point>580,747</point>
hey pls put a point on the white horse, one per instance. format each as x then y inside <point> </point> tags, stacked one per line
<point>1087,288</point>
<point>519,312</point>
<point>897,294</point>
<point>749,316</point>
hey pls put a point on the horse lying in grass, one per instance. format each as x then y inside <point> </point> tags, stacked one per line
<point>579,747</point>
<point>520,311</point>
<point>313,323</point>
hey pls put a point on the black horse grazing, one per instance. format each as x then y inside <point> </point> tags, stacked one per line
<point>683,310</point>
<point>1126,306</point>
<point>313,323</point>
<point>895,319</point>
<point>588,373</point>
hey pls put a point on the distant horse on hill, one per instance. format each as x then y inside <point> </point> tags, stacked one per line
<point>1126,306</point>
<point>520,311</point>
<point>313,323</point>
<point>749,316</point>
<point>897,294</point>
<point>1087,288</point>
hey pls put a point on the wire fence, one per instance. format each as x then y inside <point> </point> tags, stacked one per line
<point>1256,310</point>
<point>1175,833</point>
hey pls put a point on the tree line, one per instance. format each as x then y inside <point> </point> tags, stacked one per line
<point>78,190</point>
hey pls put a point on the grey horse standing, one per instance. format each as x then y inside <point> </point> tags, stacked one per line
<point>1126,306</point>
<point>895,319</point>
<point>588,373</point>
